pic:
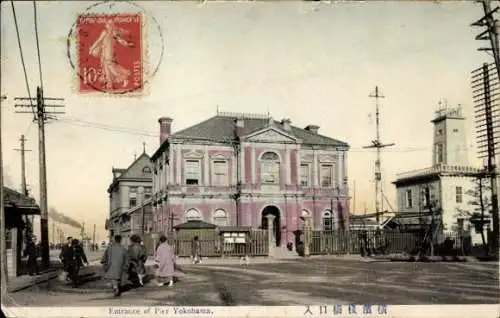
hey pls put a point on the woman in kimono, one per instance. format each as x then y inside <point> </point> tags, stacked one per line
<point>165,262</point>
<point>195,250</point>
<point>137,256</point>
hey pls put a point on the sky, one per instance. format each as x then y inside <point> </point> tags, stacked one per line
<point>315,63</point>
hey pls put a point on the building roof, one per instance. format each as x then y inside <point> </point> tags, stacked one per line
<point>435,173</point>
<point>195,225</point>
<point>15,199</point>
<point>220,128</point>
<point>135,172</point>
<point>241,229</point>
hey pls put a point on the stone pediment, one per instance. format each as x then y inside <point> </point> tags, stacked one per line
<point>306,158</point>
<point>271,135</point>
<point>328,158</point>
<point>220,156</point>
<point>193,154</point>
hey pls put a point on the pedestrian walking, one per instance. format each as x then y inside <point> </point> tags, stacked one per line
<point>31,253</point>
<point>76,259</point>
<point>115,263</point>
<point>248,245</point>
<point>195,250</point>
<point>137,254</point>
<point>165,262</point>
<point>64,256</point>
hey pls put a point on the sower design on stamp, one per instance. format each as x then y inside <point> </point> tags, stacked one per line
<point>110,53</point>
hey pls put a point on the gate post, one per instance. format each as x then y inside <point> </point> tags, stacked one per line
<point>270,234</point>
<point>154,238</point>
<point>307,235</point>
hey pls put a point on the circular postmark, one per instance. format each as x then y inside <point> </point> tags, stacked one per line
<point>115,48</point>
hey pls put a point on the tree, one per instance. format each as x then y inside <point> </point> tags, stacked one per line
<point>479,203</point>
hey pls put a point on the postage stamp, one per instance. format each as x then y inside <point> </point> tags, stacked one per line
<point>110,53</point>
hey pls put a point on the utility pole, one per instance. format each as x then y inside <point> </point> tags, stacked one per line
<point>82,232</point>
<point>354,196</point>
<point>486,90</point>
<point>23,165</point>
<point>484,100</point>
<point>143,219</point>
<point>53,232</point>
<point>23,172</point>
<point>3,247</point>
<point>41,114</point>
<point>93,236</point>
<point>378,145</point>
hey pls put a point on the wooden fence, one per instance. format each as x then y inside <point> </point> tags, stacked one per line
<point>212,243</point>
<point>353,242</point>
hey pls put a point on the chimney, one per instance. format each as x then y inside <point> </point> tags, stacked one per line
<point>165,128</point>
<point>312,128</point>
<point>239,124</point>
<point>285,122</point>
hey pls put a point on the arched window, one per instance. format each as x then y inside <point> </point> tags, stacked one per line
<point>328,221</point>
<point>193,215</point>
<point>146,170</point>
<point>220,218</point>
<point>270,168</point>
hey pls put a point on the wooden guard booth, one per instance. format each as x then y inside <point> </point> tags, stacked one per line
<point>17,208</point>
<point>184,234</point>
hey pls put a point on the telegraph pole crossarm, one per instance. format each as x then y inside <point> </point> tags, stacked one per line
<point>38,108</point>
<point>485,85</point>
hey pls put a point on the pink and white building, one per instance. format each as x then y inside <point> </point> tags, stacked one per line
<point>233,169</point>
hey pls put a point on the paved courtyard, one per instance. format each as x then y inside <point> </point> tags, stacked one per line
<point>298,282</point>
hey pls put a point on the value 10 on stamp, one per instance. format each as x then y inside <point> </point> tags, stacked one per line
<point>110,53</point>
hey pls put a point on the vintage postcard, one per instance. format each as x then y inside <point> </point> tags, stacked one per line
<point>249,158</point>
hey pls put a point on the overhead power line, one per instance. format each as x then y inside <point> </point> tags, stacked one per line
<point>22,55</point>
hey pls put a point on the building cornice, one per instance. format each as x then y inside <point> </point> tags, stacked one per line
<point>436,172</point>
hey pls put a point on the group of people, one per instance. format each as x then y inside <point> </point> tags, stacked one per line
<point>124,266</point>
<point>73,257</point>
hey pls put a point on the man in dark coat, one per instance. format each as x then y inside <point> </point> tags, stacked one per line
<point>65,257</point>
<point>31,252</point>
<point>76,258</point>
<point>115,262</point>
<point>137,259</point>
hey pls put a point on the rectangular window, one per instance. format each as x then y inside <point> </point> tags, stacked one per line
<point>192,172</point>
<point>220,173</point>
<point>426,197</point>
<point>458,195</point>
<point>439,153</point>
<point>326,173</point>
<point>132,193</point>
<point>132,202</point>
<point>304,174</point>
<point>409,199</point>
<point>270,172</point>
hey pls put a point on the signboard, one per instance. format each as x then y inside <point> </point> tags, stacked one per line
<point>239,240</point>
<point>234,237</point>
